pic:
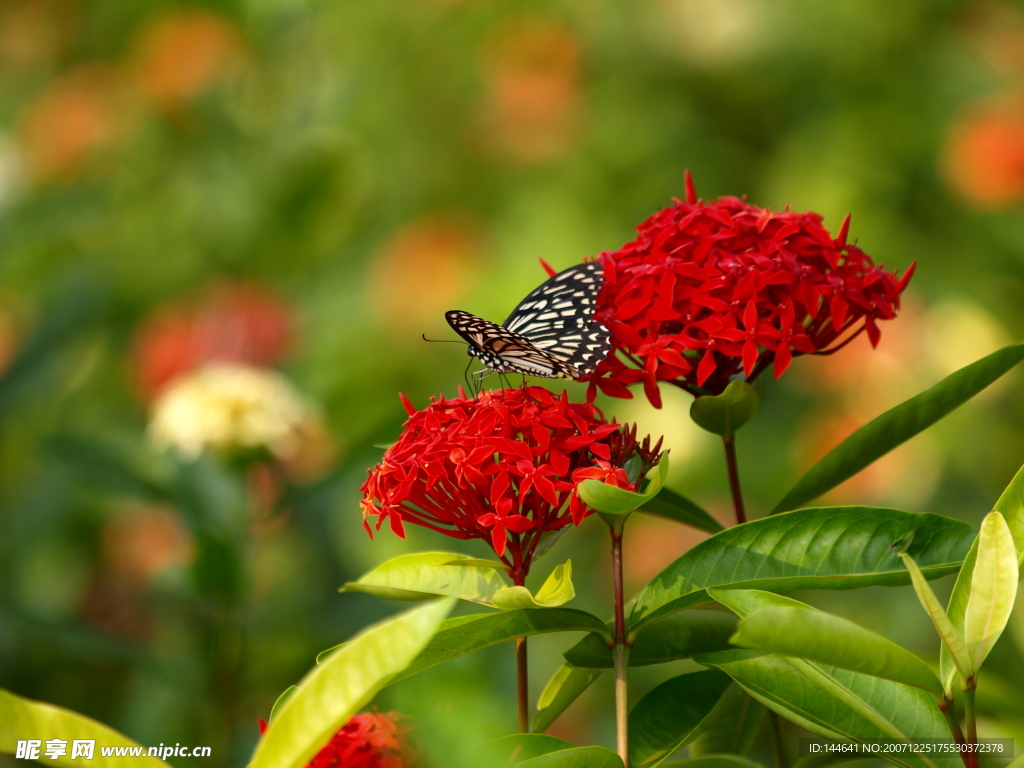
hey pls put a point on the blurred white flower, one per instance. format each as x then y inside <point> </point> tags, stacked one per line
<point>230,407</point>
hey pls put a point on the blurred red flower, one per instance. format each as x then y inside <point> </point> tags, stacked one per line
<point>501,467</point>
<point>710,290</point>
<point>232,322</point>
<point>367,740</point>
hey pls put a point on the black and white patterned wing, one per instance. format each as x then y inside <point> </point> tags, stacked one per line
<point>504,351</point>
<point>558,317</point>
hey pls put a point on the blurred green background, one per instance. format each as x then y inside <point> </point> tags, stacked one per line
<point>309,185</point>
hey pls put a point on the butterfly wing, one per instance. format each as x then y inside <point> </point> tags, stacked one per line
<point>558,317</point>
<point>503,350</point>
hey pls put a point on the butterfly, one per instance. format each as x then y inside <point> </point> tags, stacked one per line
<point>552,333</point>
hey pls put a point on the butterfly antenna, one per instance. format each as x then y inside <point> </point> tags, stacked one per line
<point>441,341</point>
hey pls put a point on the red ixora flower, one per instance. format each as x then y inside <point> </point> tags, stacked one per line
<point>239,322</point>
<point>712,290</point>
<point>368,740</point>
<point>501,467</point>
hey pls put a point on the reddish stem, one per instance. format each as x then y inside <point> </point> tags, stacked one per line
<point>522,678</point>
<point>734,479</point>
<point>620,650</point>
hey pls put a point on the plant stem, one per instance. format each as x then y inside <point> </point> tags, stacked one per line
<point>621,656</point>
<point>734,478</point>
<point>781,760</point>
<point>522,678</point>
<point>948,709</point>
<point>970,715</point>
<point>523,685</point>
<point>620,652</point>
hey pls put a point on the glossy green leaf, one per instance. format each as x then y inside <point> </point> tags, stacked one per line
<point>524,746</point>
<point>715,761</point>
<point>724,414</point>
<point>744,602</point>
<point>1011,506</point>
<point>474,562</point>
<point>670,715</point>
<point>348,680</point>
<point>23,719</point>
<point>836,703</point>
<point>677,636</point>
<point>427,575</point>
<point>832,640</point>
<point>675,506</point>
<point>614,503</point>
<point>821,548</point>
<point>993,589</point>
<point>564,687</point>
<point>556,590</point>
<point>899,424</point>
<point>952,640</point>
<point>577,757</point>
<point>282,700</point>
<point>465,634</point>
<point>732,726</point>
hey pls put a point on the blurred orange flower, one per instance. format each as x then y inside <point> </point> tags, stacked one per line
<point>984,155</point>
<point>74,119</point>
<point>533,76</point>
<point>141,542</point>
<point>230,322</point>
<point>184,53</point>
<point>422,269</point>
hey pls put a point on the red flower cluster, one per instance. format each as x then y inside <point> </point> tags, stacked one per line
<point>712,289</point>
<point>501,467</point>
<point>234,322</point>
<point>369,740</point>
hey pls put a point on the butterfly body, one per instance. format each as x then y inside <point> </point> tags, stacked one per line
<point>552,333</point>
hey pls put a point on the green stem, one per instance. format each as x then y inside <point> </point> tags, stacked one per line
<point>621,656</point>
<point>781,759</point>
<point>620,651</point>
<point>734,479</point>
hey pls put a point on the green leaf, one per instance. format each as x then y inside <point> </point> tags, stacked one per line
<point>1011,506</point>
<point>715,761</point>
<point>577,757</point>
<point>899,424</point>
<point>614,503</point>
<point>821,548</point>
<point>557,590</point>
<point>836,703</point>
<point>465,634</point>
<point>427,575</point>
<point>473,562</point>
<point>670,715</point>
<point>831,640</point>
<point>677,636</point>
<point>523,746</point>
<point>993,589</point>
<point>952,640</point>
<point>724,414</point>
<point>732,726</point>
<point>23,719</point>
<point>562,689</point>
<point>282,700</point>
<point>334,691</point>
<point>674,506</point>
<point>744,602</point>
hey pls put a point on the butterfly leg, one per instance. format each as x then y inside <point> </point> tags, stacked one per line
<point>504,381</point>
